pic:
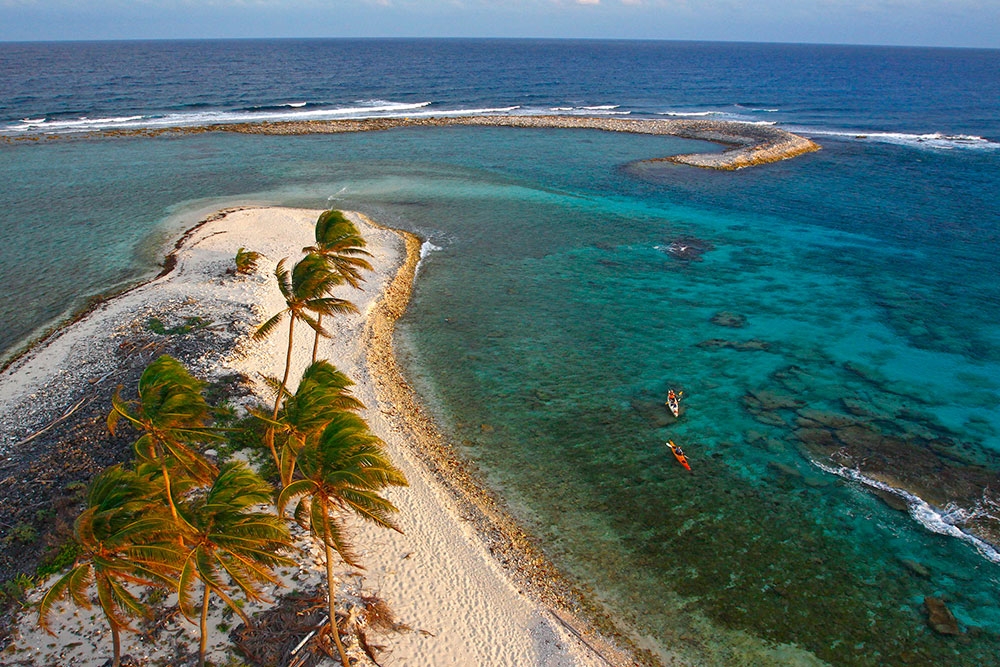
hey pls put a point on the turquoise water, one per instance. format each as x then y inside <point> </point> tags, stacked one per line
<point>555,313</point>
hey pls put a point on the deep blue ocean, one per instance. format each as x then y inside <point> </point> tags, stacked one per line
<point>832,320</point>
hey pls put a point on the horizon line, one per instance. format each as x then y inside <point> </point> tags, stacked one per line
<point>493,38</point>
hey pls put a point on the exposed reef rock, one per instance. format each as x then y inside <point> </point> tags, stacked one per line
<point>940,618</point>
<point>752,345</point>
<point>731,320</point>
<point>749,144</point>
<point>885,436</point>
<point>688,248</point>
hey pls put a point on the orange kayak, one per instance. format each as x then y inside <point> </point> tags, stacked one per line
<point>678,454</point>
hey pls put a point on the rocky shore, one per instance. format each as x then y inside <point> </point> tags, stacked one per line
<point>748,144</point>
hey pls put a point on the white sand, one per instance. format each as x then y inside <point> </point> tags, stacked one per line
<point>437,577</point>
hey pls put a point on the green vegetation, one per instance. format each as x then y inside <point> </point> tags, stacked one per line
<point>303,290</point>
<point>174,522</point>
<point>343,470</point>
<point>246,261</point>
<point>340,244</point>
<point>123,540</point>
<point>172,414</point>
<point>23,532</point>
<point>229,541</point>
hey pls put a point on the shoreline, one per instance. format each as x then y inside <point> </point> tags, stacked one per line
<point>516,550</point>
<point>748,144</point>
<point>528,613</point>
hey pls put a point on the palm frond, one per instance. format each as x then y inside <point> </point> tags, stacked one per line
<point>326,529</point>
<point>370,507</point>
<point>267,328</point>
<point>297,488</point>
<point>55,593</point>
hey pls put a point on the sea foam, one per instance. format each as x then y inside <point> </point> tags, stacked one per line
<point>942,522</point>
<point>935,140</point>
<point>426,248</point>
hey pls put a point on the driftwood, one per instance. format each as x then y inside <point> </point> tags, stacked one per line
<point>285,634</point>
<point>52,423</point>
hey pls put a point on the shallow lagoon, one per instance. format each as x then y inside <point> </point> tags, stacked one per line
<point>548,326</point>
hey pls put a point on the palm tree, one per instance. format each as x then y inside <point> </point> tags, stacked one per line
<point>323,392</point>
<point>125,537</point>
<point>246,260</point>
<point>173,414</point>
<point>339,242</point>
<point>303,290</point>
<point>229,545</point>
<point>343,470</point>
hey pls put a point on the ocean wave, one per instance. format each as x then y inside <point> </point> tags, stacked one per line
<point>757,110</point>
<point>462,112</point>
<point>78,124</point>
<point>282,107</point>
<point>942,522</point>
<point>371,108</point>
<point>936,140</point>
<point>603,110</point>
<point>290,112</point>
<point>685,114</point>
<point>426,248</point>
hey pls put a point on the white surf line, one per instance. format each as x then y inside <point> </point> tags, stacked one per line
<point>920,510</point>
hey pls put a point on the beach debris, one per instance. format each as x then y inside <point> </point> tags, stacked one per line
<point>283,631</point>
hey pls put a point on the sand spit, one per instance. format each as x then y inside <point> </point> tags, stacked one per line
<point>749,144</point>
<point>468,585</point>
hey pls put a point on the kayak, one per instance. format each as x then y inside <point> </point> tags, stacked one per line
<point>674,403</point>
<point>678,454</point>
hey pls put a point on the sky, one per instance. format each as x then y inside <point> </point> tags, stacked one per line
<point>961,23</point>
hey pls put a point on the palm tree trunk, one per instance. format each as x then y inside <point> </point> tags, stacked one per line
<point>203,646</point>
<point>333,614</point>
<point>166,487</point>
<point>116,658</point>
<point>281,391</point>
<point>319,321</point>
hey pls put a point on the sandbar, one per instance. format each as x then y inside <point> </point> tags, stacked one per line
<point>471,588</point>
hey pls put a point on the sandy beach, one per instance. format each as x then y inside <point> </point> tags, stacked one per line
<point>466,584</point>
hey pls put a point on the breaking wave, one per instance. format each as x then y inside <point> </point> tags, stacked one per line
<point>943,522</point>
<point>934,140</point>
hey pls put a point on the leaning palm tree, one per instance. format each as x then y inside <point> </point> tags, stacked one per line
<point>125,536</point>
<point>323,392</point>
<point>304,290</point>
<point>343,470</point>
<point>342,246</point>
<point>173,415</point>
<point>230,546</point>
